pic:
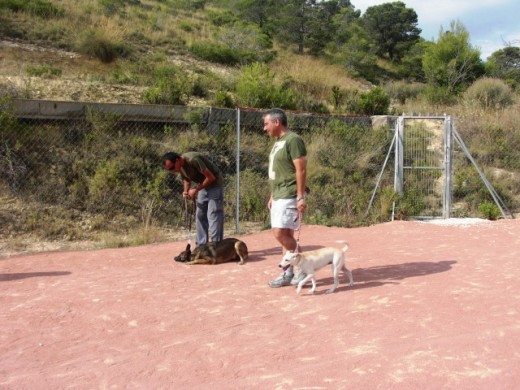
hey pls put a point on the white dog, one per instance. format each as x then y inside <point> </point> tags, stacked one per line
<point>312,261</point>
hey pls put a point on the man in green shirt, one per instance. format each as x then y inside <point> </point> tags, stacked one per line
<point>209,192</point>
<point>287,176</point>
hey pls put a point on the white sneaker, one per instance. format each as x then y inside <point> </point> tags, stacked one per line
<point>300,275</point>
<point>283,280</point>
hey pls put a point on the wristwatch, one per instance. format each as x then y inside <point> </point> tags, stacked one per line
<point>300,198</point>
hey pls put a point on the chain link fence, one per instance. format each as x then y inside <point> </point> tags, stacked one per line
<point>86,171</point>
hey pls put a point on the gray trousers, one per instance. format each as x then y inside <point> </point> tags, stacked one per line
<point>210,215</point>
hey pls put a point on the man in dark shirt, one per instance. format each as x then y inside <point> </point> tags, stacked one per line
<point>194,167</point>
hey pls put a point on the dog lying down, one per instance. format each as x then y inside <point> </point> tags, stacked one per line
<point>312,261</point>
<point>229,249</point>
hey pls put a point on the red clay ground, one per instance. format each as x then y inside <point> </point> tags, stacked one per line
<point>433,306</point>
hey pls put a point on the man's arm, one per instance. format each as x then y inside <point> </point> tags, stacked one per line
<point>209,179</point>
<point>301,176</point>
<point>186,185</point>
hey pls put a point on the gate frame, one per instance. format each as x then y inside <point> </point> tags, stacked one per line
<point>450,133</point>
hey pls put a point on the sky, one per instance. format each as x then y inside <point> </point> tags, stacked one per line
<point>490,23</point>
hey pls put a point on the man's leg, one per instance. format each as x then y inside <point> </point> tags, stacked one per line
<point>202,218</point>
<point>215,214</point>
<point>284,218</point>
<point>286,238</point>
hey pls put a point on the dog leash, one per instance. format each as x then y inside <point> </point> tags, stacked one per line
<point>298,221</point>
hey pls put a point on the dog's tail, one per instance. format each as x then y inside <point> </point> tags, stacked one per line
<point>345,247</point>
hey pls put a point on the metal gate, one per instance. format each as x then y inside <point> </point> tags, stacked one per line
<point>423,155</point>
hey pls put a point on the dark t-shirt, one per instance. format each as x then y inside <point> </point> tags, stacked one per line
<point>194,167</point>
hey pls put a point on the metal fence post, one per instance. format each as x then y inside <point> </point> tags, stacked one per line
<point>448,150</point>
<point>399,158</point>
<point>237,211</point>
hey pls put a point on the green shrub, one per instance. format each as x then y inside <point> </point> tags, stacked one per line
<point>172,85</point>
<point>256,87</point>
<point>43,71</point>
<point>221,18</point>
<point>248,42</point>
<point>52,33</point>
<point>111,7</point>
<point>223,99</point>
<point>411,204</point>
<point>186,4</point>
<point>214,52</point>
<point>12,5</point>
<point>195,118</point>
<point>123,76</point>
<point>374,102</point>
<point>439,95</point>
<point>40,8</point>
<point>313,105</point>
<point>386,200</point>
<point>253,197</point>
<point>238,44</point>
<point>202,85</point>
<point>185,26</point>
<point>337,95</point>
<point>489,211</point>
<point>489,93</point>
<point>401,91</point>
<point>95,44</point>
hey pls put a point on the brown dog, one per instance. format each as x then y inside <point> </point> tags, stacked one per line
<point>229,249</point>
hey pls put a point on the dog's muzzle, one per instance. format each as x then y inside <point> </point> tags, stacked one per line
<point>284,267</point>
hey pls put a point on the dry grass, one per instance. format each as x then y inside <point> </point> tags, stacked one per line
<point>316,74</point>
<point>153,20</point>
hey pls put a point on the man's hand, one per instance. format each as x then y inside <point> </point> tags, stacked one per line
<point>192,193</point>
<point>301,206</point>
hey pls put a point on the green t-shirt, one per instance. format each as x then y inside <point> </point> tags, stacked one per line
<point>195,164</point>
<point>282,172</point>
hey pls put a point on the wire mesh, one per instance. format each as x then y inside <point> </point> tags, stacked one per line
<point>74,171</point>
<point>424,173</point>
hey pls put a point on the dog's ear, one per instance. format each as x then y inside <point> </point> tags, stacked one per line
<point>188,252</point>
<point>185,256</point>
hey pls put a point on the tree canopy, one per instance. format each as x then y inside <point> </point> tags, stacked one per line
<point>452,62</point>
<point>392,27</point>
<point>505,64</point>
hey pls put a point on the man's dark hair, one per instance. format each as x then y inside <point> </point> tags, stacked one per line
<point>171,156</point>
<point>277,113</point>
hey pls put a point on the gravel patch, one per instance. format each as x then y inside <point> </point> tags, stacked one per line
<point>462,222</point>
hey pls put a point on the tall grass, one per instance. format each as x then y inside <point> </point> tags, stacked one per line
<point>315,75</point>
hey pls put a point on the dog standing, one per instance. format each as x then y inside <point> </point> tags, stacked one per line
<point>229,249</point>
<point>312,261</point>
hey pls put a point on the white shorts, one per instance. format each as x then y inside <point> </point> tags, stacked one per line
<point>284,214</point>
